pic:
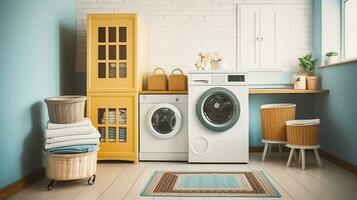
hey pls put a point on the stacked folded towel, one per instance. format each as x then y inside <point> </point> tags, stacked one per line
<point>78,137</point>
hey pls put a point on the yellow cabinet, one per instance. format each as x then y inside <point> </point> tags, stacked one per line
<point>116,59</point>
<point>116,52</point>
<point>115,117</point>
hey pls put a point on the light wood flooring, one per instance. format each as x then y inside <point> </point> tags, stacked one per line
<point>116,181</point>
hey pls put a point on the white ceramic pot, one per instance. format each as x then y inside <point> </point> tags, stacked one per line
<point>216,66</point>
<point>331,59</point>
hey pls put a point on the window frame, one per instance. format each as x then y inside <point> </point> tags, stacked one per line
<point>343,33</point>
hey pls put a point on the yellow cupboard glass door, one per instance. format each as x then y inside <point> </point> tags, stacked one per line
<point>113,115</point>
<point>112,55</point>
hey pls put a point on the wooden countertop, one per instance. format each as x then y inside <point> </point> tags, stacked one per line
<point>252,91</point>
<point>285,91</point>
<point>163,92</point>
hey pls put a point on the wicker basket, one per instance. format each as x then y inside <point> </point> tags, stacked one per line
<point>157,81</point>
<point>66,109</point>
<point>177,82</point>
<point>303,132</point>
<point>273,117</point>
<point>61,167</point>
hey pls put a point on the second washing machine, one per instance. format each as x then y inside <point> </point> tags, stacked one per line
<point>163,127</point>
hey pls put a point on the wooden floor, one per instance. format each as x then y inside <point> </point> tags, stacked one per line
<point>125,181</point>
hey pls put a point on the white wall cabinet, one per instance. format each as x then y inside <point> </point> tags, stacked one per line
<point>257,37</point>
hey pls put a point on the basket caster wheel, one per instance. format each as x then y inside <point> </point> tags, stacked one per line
<point>91,180</point>
<point>50,185</point>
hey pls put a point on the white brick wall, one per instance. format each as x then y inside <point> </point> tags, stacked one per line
<point>180,29</point>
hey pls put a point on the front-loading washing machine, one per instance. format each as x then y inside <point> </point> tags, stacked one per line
<point>163,127</point>
<point>218,117</point>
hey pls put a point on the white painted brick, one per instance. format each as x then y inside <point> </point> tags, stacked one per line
<point>180,29</point>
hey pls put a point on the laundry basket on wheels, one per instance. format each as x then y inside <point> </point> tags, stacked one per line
<point>63,167</point>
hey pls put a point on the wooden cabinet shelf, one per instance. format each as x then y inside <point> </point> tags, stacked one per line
<point>116,58</point>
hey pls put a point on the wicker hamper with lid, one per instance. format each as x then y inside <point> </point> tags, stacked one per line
<point>177,82</point>
<point>273,117</point>
<point>303,132</point>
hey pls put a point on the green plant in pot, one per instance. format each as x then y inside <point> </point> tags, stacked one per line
<point>331,57</point>
<point>307,63</point>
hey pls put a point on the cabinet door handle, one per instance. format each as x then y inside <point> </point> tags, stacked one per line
<point>262,38</point>
<point>257,38</point>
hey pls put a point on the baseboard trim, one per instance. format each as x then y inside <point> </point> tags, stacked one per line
<point>256,149</point>
<point>21,184</point>
<point>338,161</point>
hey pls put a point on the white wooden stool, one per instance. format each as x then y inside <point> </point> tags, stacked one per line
<point>302,154</point>
<point>268,145</point>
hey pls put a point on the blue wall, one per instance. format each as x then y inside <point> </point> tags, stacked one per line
<point>337,110</point>
<point>37,49</point>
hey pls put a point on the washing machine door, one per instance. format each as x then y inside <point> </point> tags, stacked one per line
<point>218,109</point>
<point>164,120</point>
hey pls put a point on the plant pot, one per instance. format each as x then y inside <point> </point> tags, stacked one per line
<point>300,82</point>
<point>217,65</point>
<point>312,82</point>
<point>331,59</point>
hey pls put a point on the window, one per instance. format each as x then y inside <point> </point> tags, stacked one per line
<point>350,29</point>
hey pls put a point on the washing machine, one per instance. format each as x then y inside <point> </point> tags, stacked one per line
<point>218,119</point>
<point>163,128</point>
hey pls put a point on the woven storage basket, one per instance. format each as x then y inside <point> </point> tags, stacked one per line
<point>273,117</point>
<point>66,109</point>
<point>177,82</point>
<point>303,133</point>
<point>157,81</point>
<point>63,167</point>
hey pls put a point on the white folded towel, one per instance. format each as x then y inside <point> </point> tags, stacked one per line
<point>69,131</point>
<point>85,122</point>
<point>93,135</point>
<point>70,143</point>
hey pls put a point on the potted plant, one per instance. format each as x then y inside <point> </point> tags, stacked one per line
<point>307,63</point>
<point>331,57</point>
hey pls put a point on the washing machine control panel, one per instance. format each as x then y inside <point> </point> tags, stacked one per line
<point>236,78</point>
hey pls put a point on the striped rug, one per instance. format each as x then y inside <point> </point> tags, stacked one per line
<point>208,184</point>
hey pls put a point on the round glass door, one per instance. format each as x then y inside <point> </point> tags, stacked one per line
<point>218,109</point>
<point>164,120</point>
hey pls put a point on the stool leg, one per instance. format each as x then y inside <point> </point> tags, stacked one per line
<point>303,158</point>
<point>269,149</point>
<point>292,150</point>
<point>318,157</point>
<point>295,156</point>
<point>265,151</point>
<point>299,157</point>
<point>280,150</point>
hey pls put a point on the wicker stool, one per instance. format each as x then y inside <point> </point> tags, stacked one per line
<point>273,118</point>
<point>302,134</point>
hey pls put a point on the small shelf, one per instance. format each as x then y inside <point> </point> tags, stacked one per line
<point>285,91</point>
<point>163,92</point>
